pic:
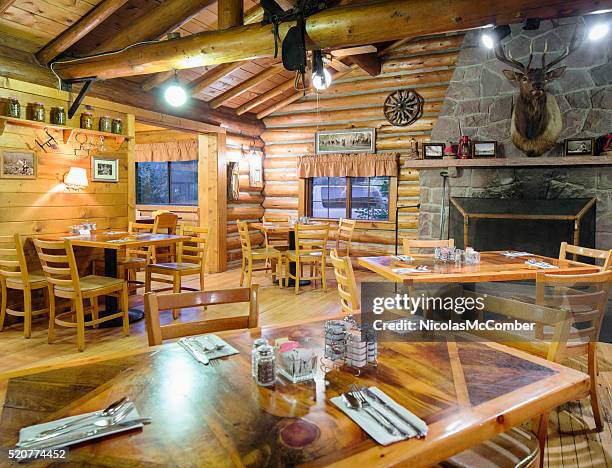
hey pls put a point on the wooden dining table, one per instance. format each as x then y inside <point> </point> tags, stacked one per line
<point>466,391</point>
<point>112,241</point>
<point>493,266</point>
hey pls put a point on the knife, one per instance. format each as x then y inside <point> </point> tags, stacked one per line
<point>73,437</point>
<point>392,410</point>
<point>200,357</point>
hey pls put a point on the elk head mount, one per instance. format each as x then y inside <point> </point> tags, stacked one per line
<point>536,118</point>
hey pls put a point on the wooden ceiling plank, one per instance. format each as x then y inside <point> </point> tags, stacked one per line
<point>78,30</point>
<point>157,80</point>
<point>369,63</point>
<point>245,86</point>
<point>276,91</point>
<point>161,20</point>
<point>211,77</point>
<point>366,49</point>
<point>4,4</point>
<point>343,26</point>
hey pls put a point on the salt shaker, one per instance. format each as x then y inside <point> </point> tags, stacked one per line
<point>266,366</point>
<point>256,344</point>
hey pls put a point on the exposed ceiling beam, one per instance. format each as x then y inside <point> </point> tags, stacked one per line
<point>272,93</point>
<point>342,26</point>
<point>245,85</point>
<point>369,63</point>
<point>229,13</point>
<point>298,95</point>
<point>4,4</point>
<point>212,76</point>
<point>163,19</point>
<point>156,80</point>
<point>78,30</point>
<point>338,65</point>
<point>367,49</point>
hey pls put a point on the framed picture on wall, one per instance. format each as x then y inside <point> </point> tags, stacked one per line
<point>17,164</point>
<point>255,170</point>
<point>104,170</point>
<point>360,140</point>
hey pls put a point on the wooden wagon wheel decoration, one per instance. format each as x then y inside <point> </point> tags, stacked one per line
<point>403,107</point>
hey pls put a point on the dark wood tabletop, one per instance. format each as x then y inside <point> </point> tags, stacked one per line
<point>467,392</point>
<point>118,239</point>
<point>493,266</point>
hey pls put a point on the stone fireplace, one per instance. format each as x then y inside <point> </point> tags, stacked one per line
<point>478,103</point>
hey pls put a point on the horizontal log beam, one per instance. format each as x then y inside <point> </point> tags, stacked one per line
<point>78,30</point>
<point>342,26</point>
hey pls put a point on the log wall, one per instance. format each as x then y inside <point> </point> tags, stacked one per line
<point>356,101</point>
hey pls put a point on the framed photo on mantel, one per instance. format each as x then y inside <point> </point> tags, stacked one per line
<point>360,140</point>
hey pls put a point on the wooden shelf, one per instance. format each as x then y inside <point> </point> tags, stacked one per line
<point>68,133</point>
<point>509,162</point>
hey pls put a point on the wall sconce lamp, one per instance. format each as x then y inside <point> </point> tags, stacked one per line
<point>76,179</point>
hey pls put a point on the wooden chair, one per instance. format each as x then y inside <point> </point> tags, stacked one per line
<point>347,286</point>
<point>344,236</point>
<point>310,249</point>
<point>191,261</point>
<point>154,303</point>
<point>165,223</point>
<point>410,244</point>
<point>595,254</point>
<point>250,256</point>
<point>14,275</point>
<point>135,259</point>
<point>279,241</point>
<point>60,267</point>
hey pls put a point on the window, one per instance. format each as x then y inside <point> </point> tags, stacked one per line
<point>349,197</point>
<point>167,183</point>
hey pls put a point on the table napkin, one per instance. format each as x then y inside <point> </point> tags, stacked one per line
<point>211,340</point>
<point>403,258</point>
<point>540,264</point>
<point>377,432</point>
<point>32,431</point>
<point>405,271</point>
<point>512,254</point>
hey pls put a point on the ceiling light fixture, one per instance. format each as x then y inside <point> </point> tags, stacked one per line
<point>321,78</point>
<point>175,94</point>
<point>490,38</point>
<point>598,31</point>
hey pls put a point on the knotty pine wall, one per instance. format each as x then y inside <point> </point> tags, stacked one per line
<point>356,101</point>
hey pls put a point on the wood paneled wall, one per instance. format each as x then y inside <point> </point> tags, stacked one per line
<point>356,101</point>
<point>248,207</point>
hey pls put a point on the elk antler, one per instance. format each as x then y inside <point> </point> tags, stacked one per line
<point>571,48</point>
<point>501,56</point>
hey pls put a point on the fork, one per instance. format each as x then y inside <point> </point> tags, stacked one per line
<point>204,349</point>
<point>356,392</point>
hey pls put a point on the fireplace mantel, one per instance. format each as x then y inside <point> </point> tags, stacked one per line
<point>509,162</point>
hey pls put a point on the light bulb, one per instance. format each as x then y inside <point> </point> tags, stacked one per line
<point>321,82</point>
<point>598,31</point>
<point>175,95</point>
<point>487,40</point>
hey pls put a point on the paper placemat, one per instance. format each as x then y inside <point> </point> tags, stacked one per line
<point>212,339</point>
<point>375,430</point>
<point>405,271</point>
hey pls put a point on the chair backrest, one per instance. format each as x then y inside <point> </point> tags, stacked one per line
<point>576,251</point>
<point>13,262</point>
<point>275,238</point>
<point>311,238</point>
<point>58,263</point>
<point>245,237</point>
<point>154,303</point>
<point>411,244</point>
<point>347,286</point>
<point>346,227</point>
<point>166,223</point>
<point>195,249</point>
<point>585,297</point>
<point>146,252</point>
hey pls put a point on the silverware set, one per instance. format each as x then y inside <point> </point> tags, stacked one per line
<point>98,423</point>
<point>359,398</point>
<point>201,349</point>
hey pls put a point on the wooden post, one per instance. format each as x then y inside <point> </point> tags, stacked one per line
<point>130,125</point>
<point>230,13</point>
<point>212,197</point>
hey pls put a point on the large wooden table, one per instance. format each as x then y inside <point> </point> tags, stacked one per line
<point>105,240</point>
<point>467,392</point>
<point>493,266</point>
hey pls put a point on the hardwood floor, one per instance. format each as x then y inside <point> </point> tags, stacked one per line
<point>570,442</point>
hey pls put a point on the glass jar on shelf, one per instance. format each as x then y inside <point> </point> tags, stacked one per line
<point>38,112</point>
<point>117,127</point>
<point>58,116</point>
<point>13,108</point>
<point>87,121</point>
<point>106,124</point>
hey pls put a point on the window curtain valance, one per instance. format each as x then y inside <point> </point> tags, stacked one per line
<point>348,165</point>
<point>180,150</point>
